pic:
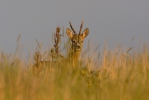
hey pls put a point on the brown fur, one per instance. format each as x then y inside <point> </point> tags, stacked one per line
<point>77,43</point>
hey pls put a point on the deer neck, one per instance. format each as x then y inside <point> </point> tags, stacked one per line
<point>74,54</point>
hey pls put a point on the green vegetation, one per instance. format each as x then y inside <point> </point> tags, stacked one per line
<point>119,76</point>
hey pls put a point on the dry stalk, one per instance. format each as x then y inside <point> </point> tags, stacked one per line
<point>55,52</point>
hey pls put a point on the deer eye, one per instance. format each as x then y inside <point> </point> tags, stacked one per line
<point>73,41</point>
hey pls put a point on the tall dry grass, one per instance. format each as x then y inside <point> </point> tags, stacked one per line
<point>120,76</point>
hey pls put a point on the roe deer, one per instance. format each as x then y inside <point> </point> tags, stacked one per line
<point>76,42</point>
<point>75,50</point>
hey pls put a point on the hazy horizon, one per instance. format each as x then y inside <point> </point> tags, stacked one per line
<point>109,21</point>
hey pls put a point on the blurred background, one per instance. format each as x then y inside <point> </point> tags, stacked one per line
<point>111,22</point>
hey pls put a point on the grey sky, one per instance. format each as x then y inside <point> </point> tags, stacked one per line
<point>115,21</point>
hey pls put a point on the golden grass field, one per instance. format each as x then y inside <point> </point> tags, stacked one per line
<point>120,75</point>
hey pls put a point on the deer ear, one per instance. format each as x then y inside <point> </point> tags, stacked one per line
<point>85,33</point>
<point>69,33</point>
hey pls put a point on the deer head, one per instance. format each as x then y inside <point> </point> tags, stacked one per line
<point>77,39</point>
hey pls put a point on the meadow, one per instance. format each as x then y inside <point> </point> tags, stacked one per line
<point>120,75</point>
